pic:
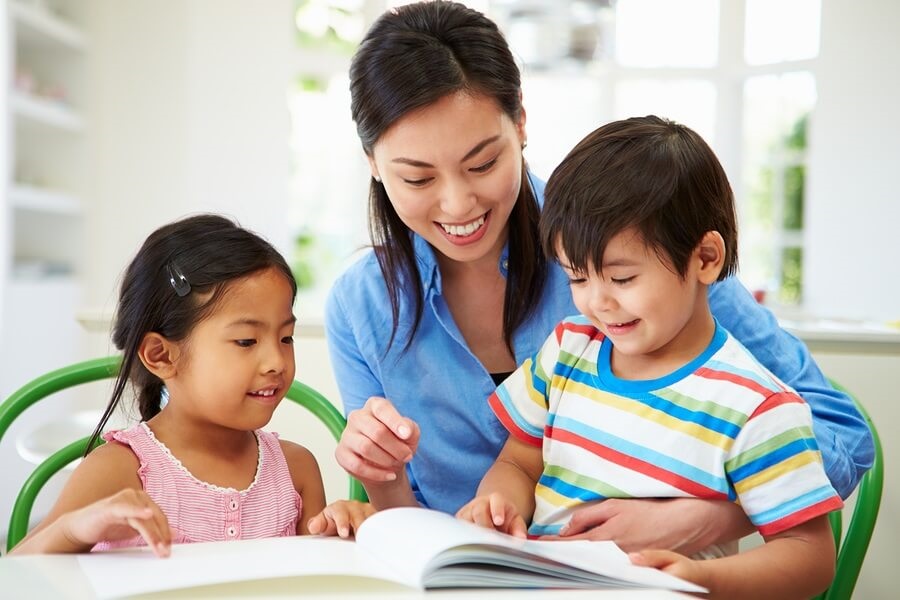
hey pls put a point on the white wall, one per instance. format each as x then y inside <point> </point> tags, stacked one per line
<point>187,114</point>
<point>853,211</point>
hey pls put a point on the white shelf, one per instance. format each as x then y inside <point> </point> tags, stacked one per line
<point>40,27</point>
<point>46,112</point>
<point>26,197</point>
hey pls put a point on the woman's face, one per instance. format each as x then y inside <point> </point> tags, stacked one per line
<point>452,171</point>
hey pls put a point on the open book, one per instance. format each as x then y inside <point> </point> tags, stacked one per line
<point>413,547</point>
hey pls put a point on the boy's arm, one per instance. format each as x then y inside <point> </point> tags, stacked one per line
<point>841,432</point>
<point>505,496</point>
<point>796,563</point>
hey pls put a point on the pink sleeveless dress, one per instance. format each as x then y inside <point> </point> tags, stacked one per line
<point>202,512</point>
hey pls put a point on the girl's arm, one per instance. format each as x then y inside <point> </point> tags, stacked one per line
<point>797,563</point>
<point>505,496</point>
<point>341,518</point>
<point>307,481</point>
<point>103,500</point>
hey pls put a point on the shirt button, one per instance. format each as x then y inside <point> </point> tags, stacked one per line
<point>233,504</point>
<point>231,532</point>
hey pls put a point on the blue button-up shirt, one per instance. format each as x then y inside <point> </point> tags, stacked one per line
<point>439,383</point>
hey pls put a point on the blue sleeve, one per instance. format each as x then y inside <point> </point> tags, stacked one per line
<point>355,380</point>
<point>841,432</point>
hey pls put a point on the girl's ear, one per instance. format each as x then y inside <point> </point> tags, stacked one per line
<point>710,253</point>
<point>159,355</point>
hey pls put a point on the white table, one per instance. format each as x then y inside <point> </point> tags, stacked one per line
<point>59,576</point>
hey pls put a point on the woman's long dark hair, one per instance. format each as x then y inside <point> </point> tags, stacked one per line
<point>410,58</point>
<point>175,281</point>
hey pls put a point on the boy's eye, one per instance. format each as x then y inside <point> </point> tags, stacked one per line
<point>485,167</point>
<point>622,280</point>
<point>576,280</point>
<point>245,343</point>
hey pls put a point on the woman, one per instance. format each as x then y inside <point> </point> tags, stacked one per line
<point>457,292</point>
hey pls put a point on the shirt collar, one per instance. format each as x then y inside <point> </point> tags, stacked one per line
<point>430,274</point>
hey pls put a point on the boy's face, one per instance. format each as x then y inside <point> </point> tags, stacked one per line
<point>237,364</point>
<point>656,320</point>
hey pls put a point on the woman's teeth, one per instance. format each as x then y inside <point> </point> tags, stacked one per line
<point>464,230</point>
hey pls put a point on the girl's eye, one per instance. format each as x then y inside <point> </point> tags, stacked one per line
<point>621,281</point>
<point>485,167</point>
<point>288,340</point>
<point>245,343</point>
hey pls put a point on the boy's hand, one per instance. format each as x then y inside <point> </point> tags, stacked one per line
<point>673,563</point>
<point>341,518</point>
<point>119,517</point>
<point>494,511</point>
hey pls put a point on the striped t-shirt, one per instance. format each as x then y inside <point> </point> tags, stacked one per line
<point>720,427</point>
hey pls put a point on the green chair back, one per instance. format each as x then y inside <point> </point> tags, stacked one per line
<point>104,368</point>
<point>852,544</point>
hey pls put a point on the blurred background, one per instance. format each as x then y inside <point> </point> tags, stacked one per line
<point>121,115</point>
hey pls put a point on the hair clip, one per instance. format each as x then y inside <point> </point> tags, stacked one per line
<point>178,280</point>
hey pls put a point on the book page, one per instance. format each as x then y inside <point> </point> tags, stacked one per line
<point>420,545</point>
<point>139,571</point>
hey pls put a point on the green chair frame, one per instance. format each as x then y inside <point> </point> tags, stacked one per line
<point>852,545</point>
<point>105,368</point>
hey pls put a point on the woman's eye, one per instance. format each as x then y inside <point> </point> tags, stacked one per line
<point>417,182</point>
<point>244,343</point>
<point>485,167</point>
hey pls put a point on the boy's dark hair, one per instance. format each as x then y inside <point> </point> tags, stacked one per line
<point>176,280</point>
<point>411,57</point>
<point>646,173</point>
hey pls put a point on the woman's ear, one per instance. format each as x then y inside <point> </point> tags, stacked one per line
<point>710,254</point>
<point>159,355</point>
<point>373,168</point>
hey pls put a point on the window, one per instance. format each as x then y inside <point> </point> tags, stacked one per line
<point>739,72</point>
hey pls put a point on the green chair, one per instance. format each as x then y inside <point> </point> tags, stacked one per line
<point>104,368</point>
<point>852,544</point>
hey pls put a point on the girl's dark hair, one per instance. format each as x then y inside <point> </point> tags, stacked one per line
<point>176,280</point>
<point>648,173</point>
<point>412,57</point>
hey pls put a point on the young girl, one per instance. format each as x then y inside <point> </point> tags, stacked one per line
<point>204,320</point>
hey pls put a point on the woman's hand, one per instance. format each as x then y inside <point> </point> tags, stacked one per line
<point>341,518</point>
<point>685,525</point>
<point>377,442</point>
<point>494,511</point>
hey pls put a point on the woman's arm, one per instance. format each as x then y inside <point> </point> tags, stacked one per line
<point>102,501</point>
<point>841,432</point>
<point>378,441</point>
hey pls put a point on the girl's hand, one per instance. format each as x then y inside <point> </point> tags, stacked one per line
<point>377,442</point>
<point>685,525</point>
<point>673,563</point>
<point>119,517</point>
<point>342,518</point>
<point>494,511</point>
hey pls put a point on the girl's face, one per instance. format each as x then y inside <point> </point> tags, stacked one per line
<point>238,363</point>
<point>452,171</point>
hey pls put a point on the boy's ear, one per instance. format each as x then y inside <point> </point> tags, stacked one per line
<point>159,355</point>
<point>710,253</point>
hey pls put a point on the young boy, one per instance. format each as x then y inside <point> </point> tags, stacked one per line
<point>644,395</point>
